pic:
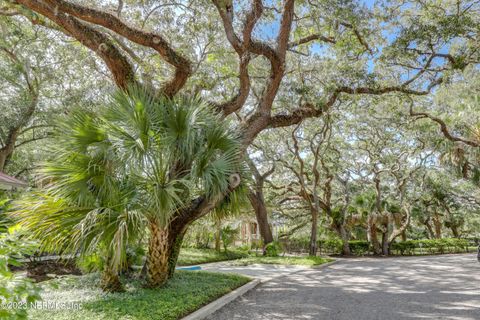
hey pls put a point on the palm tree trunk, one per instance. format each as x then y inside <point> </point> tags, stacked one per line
<point>158,256</point>
<point>110,279</point>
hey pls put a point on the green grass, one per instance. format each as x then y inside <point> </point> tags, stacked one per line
<point>189,256</point>
<point>301,261</point>
<point>186,292</point>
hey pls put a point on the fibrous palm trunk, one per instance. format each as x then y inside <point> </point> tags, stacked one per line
<point>110,280</point>
<point>158,256</point>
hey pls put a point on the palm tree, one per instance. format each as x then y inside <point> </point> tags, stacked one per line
<point>129,168</point>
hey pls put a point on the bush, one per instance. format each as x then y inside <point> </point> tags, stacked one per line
<point>359,247</point>
<point>272,249</point>
<point>244,248</point>
<point>451,245</point>
<point>228,236</point>
<point>15,289</point>
<point>90,263</point>
<point>332,245</point>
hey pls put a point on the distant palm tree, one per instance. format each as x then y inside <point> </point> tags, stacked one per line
<point>130,168</point>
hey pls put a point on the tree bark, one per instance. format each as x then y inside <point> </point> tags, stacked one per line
<point>218,231</point>
<point>345,238</point>
<point>429,229</point>
<point>313,235</point>
<point>455,232</point>
<point>385,244</point>
<point>438,226</point>
<point>158,255</point>
<point>372,234</point>
<point>258,203</point>
<point>111,281</point>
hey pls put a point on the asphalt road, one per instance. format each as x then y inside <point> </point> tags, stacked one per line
<point>433,287</point>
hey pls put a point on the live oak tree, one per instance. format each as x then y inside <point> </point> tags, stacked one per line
<point>299,58</point>
<point>257,200</point>
<point>37,83</point>
<point>131,167</point>
<point>313,174</point>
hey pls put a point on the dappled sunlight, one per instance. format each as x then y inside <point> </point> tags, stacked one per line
<point>435,287</point>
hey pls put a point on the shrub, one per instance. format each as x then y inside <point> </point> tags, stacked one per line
<point>404,247</point>
<point>359,247</point>
<point>244,248</point>
<point>228,236</point>
<point>452,245</point>
<point>333,245</point>
<point>15,289</point>
<point>272,249</point>
<point>90,263</point>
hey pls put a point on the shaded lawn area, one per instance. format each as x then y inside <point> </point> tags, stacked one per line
<point>190,256</point>
<point>299,261</point>
<point>186,292</point>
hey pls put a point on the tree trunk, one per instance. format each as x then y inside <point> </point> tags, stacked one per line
<point>455,232</point>
<point>111,281</point>
<point>372,235</point>
<point>429,229</point>
<point>7,150</point>
<point>313,235</point>
<point>258,203</point>
<point>385,244</point>
<point>438,226</point>
<point>3,160</point>
<point>158,256</point>
<point>345,238</point>
<point>218,227</point>
<point>175,244</point>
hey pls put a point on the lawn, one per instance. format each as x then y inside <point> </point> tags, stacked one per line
<point>186,292</point>
<point>190,256</point>
<point>301,261</point>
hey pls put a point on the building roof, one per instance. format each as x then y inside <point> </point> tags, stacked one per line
<point>9,181</point>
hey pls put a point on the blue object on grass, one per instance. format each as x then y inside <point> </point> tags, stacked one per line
<point>190,268</point>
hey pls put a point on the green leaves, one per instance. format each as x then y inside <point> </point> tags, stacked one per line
<point>15,289</point>
<point>142,158</point>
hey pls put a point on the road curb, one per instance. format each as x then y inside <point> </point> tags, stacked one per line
<point>210,308</point>
<point>325,265</point>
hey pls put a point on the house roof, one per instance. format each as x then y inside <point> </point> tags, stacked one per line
<point>11,181</point>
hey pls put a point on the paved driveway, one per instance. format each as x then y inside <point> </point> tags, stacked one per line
<point>264,272</point>
<point>435,287</point>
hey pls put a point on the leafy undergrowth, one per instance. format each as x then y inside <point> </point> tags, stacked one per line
<point>301,261</point>
<point>189,256</point>
<point>186,292</point>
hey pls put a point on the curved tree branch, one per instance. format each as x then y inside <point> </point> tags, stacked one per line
<point>149,39</point>
<point>96,41</point>
<point>443,128</point>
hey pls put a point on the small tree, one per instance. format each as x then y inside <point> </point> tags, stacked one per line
<point>133,166</point>
<point>228,236</point>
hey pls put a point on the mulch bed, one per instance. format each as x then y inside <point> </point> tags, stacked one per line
<point>45,270</point>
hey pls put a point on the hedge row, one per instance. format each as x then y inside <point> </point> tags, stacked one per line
<point>409,247</point>
<point>451,245</point>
